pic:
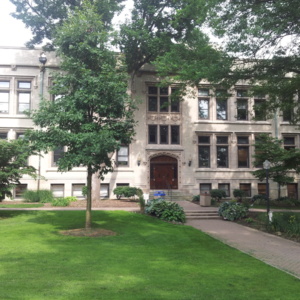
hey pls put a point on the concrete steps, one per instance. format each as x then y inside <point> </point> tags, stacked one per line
<point>202,214</point>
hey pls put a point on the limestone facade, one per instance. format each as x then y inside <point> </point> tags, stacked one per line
<point>198,144</point>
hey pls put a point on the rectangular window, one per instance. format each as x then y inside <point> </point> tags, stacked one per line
<point>260,113</point>
<point>3,135</point>
<point>287,115</point>
<point>221,109</point>
<point>159,100</point>
<point>292,190</point>
<point>246,188</point>
<point>242,109</point>
<point>261,189</point>
<point>243,151</point>
<point>204,156</point>
<point>289,142</point>
<point>205,188</point>
<point>24,96</point>
<point>4,96</point>
<point>123,156</point>
<point>175,105</point>
<point>122,184</point>
<point>222,152</point>
<point>19,190</point>
<point>203,109</point>
<point>57,190</point>
<point>175,135</point>
<point>164,138</point>
<point>57,154</point>
<point>77,190</point>
<point>152,134</point>
<point>225,187</point>
<point>104,190</point>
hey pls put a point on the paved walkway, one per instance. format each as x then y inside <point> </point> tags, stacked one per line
<point>273,250</point>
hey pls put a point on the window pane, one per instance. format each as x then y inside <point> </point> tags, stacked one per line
<point>104,190</point>
<point>77,190</point>
<point>203,92</point>
<point>221,109</point>
<point>152,134</point>
<point>3,108</point>
<point>164,91</point>
<point>24,97</point>
<point>203,108</point>
<point>3,135</point>
<point>204,156</point>
<point>4,84</point>
<point>292,190</point>
<point>242,93</point>
<point>222,157</point>
<point>164,104</point>
<point>19,190</point>
<point>289,140</point>
<point>260,114</point>
<point>122,156</point>
<point>205,188</point>
<point>243,157</point>
<point>246,188</point>
<point>203,139</point>
<point>242,109</point>
<point>175,106</point>
<point>23,107</point>
<point>152,90</point>
<point>175,135</point>
<point>243,140</point>
<point>57,190</point>
<point>152,104</point>
<point>261,189</point>
<point>225,187</point>
<point>222,139</point>
<point>164,139</point>
<point>4,96</point>
<point>24,84</point>
<point>57,154</point>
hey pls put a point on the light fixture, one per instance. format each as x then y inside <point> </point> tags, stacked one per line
<point>139,161</point>
<point>43,58</point>
<point>190,161</point>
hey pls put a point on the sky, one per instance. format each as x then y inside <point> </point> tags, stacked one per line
<point>13,31</point>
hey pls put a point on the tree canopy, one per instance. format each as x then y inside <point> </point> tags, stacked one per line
<point>13,164</point>
<point>264,37</point>
<point>91,114</point>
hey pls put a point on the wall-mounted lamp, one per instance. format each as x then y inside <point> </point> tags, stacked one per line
<point>190,162</point>
<point>139,161</point>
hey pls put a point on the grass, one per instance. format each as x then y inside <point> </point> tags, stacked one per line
<point>21,205</point>
<point>148,259</point>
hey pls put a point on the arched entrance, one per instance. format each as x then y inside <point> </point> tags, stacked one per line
<point>163,172</point>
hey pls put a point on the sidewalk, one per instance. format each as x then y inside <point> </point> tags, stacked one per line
<point>273,250</point>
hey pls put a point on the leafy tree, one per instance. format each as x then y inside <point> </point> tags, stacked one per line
<point>13,164</point>
<point>282,160</point>
<point>266,34</point>
<point>43,17</point>
<point>93,115</point>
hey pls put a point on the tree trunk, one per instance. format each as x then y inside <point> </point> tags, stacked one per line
<point>88,214</point>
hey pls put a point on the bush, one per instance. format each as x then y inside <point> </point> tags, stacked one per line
<point>287,222</point>
<point>196,198</point>
<point>259,199</point>
<point>61,201</point>
<point>165,210</point>
<point>239,194</point>
<point>43,196</point>
<point>217,194</point>
<point>233,211</point>
<point>71,199</point>
<point>126,191</point>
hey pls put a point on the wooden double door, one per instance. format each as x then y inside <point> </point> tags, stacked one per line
<point>163,172</point>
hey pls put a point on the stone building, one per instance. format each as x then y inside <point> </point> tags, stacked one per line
<point>201,143</point>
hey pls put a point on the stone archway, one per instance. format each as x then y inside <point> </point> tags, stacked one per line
<point>163,172</point>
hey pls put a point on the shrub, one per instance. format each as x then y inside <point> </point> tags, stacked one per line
<point>217,194</point>
<point>61,202</point>
<point>84,191</point>
<point>165,210</point>
<point>196,198</point>
<point>233,211</point>
<point>71,199</point>
<point>43,196</point>
<point>239,194</point>
<point>287,222</point>
<point>126,191</point>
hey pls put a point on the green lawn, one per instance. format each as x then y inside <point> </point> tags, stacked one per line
<point>21,205</point>
<point>148,259</point>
